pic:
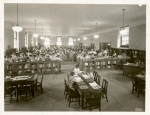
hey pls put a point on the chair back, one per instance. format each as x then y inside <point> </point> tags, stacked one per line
<point>98,79</point>
<point>96,99</point>
<point>66,86</point>
<point>94,73</point>
<point>39,78</point>
<point>104,84</point>
<point>137,82</point>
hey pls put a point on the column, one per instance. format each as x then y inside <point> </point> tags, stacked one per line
<point>32,41</point>
<point>15,40</point>
<point>26,39</point>
<point>36,42</point>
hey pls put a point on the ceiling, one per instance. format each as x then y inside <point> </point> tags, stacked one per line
<point>71,19</point>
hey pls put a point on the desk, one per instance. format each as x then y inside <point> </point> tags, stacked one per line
<point>142,77</point>
<point>19,79</point>
<point>131,69</point>
<point>85,84</point>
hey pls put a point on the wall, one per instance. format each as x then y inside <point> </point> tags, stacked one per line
<point>137,38</point>
<point>8,38</point>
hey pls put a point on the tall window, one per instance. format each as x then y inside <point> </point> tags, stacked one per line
<point>59,43</point>
<point>47,41</point>
<point>125,41</point>
<point>70,42</point>
<point>125,38</point>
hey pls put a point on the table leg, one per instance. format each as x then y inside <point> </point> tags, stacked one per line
<point>17,92</point>
<point>33,89</point>
<point>82,100</point>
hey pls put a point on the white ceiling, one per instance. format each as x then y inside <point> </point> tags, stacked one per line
<point>71,19</point>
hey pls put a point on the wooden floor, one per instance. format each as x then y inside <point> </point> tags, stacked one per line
<point>120,97</point>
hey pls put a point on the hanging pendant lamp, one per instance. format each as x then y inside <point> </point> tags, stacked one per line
<point>123,31</point>
<point>35,35</point>
<point>42,37</point>
<point>17,28</point>
<point>96,36</point>
<point>85,36</point>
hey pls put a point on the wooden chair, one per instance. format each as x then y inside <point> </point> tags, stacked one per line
<point>66,90</point>
<point>94,101</point>
<point>137,85</point>
<point>74,96</point>
<point>95,75</point>
<point>39,82</point>
<point>24,88</point>
<point>9,89</point>
<point>98,80</point>
<point>104,89</point>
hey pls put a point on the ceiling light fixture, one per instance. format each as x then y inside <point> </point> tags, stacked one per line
<point>123,31</point>
<point>17,28</point>
<point>84,38</point>
<point>96,36</point>
<point>74,39</point>
<point>42,37</point>
<point>35,35</point>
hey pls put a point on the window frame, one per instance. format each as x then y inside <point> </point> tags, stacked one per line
<point>127,46</point>
<point>70,41</point>
<point>59,41</point>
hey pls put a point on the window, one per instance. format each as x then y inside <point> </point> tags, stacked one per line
<point>125,41</point>
<point>125,38</point>
<point>59,43</point>
<point>70,41</point>
<point>46,41</point>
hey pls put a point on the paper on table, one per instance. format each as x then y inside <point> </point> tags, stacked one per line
<point>77,79</point>
<point>89,80</point>
<point>94,85</point>
<point>15,79</point>
<point>21,76</point>
<point>86,76</point>
<point>83,87</point>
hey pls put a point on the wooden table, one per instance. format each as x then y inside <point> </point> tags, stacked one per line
<point>32,79</point>
<point>85,82</point>
<point>142,77</point>
<point>131,69</point>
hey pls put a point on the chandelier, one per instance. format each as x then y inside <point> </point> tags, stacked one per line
<point>35,35</point>
<point>42,37</point>
<point>17,28</point>
<point>123,31</point>
<point>96,36</point>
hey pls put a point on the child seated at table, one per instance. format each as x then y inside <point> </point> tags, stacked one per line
<point>76,70</point>
<point>90,74</point>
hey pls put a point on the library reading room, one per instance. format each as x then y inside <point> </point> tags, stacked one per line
<point>74,57</point>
